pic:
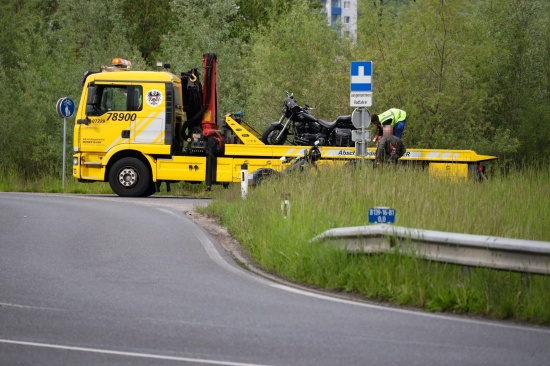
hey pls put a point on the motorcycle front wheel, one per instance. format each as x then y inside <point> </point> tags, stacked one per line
<point>269,137</point>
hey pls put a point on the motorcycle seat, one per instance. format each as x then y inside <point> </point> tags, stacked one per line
<point>338,121</point>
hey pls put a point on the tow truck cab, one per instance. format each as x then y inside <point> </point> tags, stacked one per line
<point>121,110</point>
<point>125,113</point>
<point>137,129</point>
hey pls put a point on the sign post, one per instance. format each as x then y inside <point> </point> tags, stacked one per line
<point>360,96</point>
<point>65,109</point>
<point>361,120</point>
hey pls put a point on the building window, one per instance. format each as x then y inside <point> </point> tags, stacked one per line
<point>335,18</point>
<point>346,20</point>
<point>336,3</point>
<point>347,4</point>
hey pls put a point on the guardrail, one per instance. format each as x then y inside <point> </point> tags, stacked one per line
<point>472,250</point>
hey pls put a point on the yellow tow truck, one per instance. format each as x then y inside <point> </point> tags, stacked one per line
<point>137,129</point>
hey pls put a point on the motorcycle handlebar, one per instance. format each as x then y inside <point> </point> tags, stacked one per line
<point>294,104</point>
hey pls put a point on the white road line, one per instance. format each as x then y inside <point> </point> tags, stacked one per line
<point>527,328</point>
<point>213,253</point>
<point>129,354</point>
<point>7,304</point>
<point>167,211</point>
<point>207,245</point>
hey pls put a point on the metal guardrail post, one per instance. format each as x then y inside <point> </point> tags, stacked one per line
<point>467,249</point>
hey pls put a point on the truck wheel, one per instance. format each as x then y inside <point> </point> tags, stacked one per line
<point>269,137</point>
<point>129,177</point>
<point>152,189</point>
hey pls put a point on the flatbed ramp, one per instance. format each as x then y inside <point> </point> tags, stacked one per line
<point>243,147</point>
<point>248,144</point>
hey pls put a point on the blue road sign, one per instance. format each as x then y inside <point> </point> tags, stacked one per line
<point>65,107</point>
<point>381,215</point>
<point>361,76</point>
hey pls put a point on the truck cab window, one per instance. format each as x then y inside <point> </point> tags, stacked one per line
<point>136,100</point>
<point>118,98</point>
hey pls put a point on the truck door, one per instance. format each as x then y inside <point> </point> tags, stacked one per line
<point>111,111</point>
<point>150,127</point>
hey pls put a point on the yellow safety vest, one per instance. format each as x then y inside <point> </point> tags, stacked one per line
<point>392,116</point>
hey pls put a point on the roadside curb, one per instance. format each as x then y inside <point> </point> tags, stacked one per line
<point>213,226</point>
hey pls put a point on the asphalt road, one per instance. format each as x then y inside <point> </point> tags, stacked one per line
<point>119,281</point>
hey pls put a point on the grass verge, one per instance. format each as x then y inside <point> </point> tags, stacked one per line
<point>10,181</point>
<point>513,204</point>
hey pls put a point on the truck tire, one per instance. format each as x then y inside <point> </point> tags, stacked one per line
<point>152,189</point>
<point>129,177</point>
<point>269,137</point>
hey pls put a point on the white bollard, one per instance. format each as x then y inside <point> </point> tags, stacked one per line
<point>244,180</point>
<point>285,204</point>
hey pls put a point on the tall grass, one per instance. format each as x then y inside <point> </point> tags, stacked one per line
<point>513,204</point>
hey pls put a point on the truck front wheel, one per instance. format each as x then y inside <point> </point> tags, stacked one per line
<point>129,177</point>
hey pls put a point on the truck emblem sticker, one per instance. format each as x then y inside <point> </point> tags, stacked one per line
<point>154,97</point>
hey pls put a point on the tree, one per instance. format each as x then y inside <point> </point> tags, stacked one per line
<point>47,48</point>
<point>297,52</point>
<point>206,27</point>
<point>521,29</point>
<point>28,138</point>
<point>148,22</point>
<point>432,60</point>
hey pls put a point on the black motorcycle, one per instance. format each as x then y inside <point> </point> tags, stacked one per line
<point>302,128</point>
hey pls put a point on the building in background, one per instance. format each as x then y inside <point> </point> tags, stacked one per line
<point>342,15</point>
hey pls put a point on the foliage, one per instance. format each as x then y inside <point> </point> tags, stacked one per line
<point>206,27</point>
<point>521,32</point>
<point>57,42</point>
<point>26,94</point>
<point>255,13</point>
<point>147,22</point>
<point>471,74</point>
<point>282,55</point>
<point>468,75</point>
<point>432,60</point>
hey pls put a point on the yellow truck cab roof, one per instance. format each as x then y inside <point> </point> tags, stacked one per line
<point>134,76</point>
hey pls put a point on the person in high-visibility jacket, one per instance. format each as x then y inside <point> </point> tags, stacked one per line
<point>393,117</point>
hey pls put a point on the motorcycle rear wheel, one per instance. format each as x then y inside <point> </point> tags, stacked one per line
<point>269,137</point>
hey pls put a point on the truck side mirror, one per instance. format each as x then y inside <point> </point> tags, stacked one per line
<point>90,110</point>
